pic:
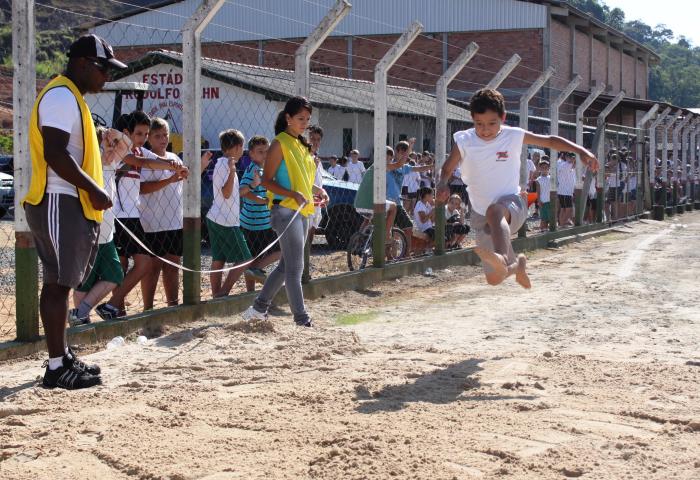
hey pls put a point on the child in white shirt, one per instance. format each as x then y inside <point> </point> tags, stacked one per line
<point>489,155</point>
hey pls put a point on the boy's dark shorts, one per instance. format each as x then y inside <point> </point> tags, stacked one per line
<point>258,240</point>
<point>566,201</point>
<point>430,232</point>
<point>125,243</point>
<point>65,240</point>
<point>402,220</point>
<point>167,242</point>
<point>612,194</point>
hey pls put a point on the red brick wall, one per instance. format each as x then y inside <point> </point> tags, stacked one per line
<point>614,75</point>
<point>583,59</point>
<point>561,54</point>
<point>628,74</point>
<point>599,66</point>
<point>642,79</point>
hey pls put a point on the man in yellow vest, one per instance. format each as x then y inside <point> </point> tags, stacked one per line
<point>66,198</point>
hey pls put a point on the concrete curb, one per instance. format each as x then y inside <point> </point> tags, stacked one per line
<point>229,306</point>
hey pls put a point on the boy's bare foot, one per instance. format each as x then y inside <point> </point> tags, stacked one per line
<point>494,260</point>
<point>521,274</point>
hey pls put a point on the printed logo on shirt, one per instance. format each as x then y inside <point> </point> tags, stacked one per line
<point>501,156</point>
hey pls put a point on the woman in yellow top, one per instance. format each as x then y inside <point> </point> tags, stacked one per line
<point>288,177</point>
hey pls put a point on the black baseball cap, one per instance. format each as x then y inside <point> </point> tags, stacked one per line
<point>95,47</point>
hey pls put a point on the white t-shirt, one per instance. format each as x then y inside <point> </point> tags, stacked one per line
<point>456,178</point>
<point>592,193</point>
<point>59,109</point>
<point>107,225</point>
<point>411,181</point>
<point>530,168</point>
<point>491,169</point>
<point>545,188</point>
<point>566,178</point>
<point>128,198</point>
<point>224,211</point>
<point>337,171</point>
<point>318,178</point>
<point>632,182</point>
<point>355,171</point>
<point>425,208</point>
<point>161,210</point>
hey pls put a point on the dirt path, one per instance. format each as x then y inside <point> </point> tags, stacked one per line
<point>592,374</point>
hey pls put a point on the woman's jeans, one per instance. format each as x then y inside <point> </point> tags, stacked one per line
<point>290,266</point>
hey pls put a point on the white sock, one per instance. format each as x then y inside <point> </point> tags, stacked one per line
<point>55,363</point>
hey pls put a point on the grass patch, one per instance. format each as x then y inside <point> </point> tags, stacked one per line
<point>355,318</point>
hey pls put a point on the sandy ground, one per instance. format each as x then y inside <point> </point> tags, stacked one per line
<point>593,373</point>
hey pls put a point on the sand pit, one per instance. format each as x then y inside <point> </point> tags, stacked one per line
<point>593,373</point>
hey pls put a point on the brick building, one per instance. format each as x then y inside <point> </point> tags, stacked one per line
<point>543,32</point>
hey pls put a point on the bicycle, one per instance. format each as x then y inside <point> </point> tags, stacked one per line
<point>359,249</point>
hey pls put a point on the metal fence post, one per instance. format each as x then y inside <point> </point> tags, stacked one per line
<point>684,187</point>
<point>24,93</point>
<point>505,70</point>
<point>302,85</point>
<point>696,171</point>
<point>599,150</point>
<point>580,195</point>
<point>677,145</point>
<point>380,131</point>
<point>553,154</point>
<point>441,135</point>
<point>649,200</point>
<point>664,163</point>
<point>192,142</point>
<point>639,153</point>
<point>524,124</point>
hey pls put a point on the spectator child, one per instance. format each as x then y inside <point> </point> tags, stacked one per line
<point>336,169</point>
<point>424,214</point>
<point>455,228</point>
<point>255,213</point>
<point>355,168</point>
<point>161,214</point>
<point>106,273</point>
<point>566,183</point>
<point>543,186</point>
<point>223,218</point>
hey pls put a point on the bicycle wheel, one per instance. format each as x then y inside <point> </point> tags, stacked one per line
<point>398,245</point>
<point>359,250</point>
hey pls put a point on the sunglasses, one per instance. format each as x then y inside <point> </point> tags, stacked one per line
<point>99,65</point>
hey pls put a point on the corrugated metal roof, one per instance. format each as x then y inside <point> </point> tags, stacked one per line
<point>333,92</point>
<point>242,20</point>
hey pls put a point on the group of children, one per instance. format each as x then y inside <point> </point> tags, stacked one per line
<point>146,221</point>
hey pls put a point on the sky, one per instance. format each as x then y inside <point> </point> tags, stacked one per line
<point>681,16</point>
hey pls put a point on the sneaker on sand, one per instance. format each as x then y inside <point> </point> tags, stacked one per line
<point>108,312</point>
<point>256,274</point>
<point>93,369</point>
<point>252,314</point>
<point>68,376</point>
<point>74,320</point>
<point>305,323</point>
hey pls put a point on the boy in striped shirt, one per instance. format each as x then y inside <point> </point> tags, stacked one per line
<point>255,214</point>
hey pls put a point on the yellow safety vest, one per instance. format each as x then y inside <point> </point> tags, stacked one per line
<point>92,163</point>
<point>302,171</point>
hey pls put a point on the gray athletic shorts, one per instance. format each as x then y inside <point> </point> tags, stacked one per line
<point>518,214</point>
<point>65,240</point>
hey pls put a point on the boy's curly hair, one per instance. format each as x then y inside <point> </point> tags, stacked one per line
<point>487,99</point>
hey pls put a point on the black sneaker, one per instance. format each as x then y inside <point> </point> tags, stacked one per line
<point>74,320</point>
<point>93,369</point>
<point>305,323</point>
<point>69,377</point>
<point>108,312</point>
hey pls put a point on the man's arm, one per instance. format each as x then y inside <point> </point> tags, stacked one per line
<point>562,145</point>
<point>57,157</point>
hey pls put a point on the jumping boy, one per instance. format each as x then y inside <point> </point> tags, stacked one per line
<point>489,155</point>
